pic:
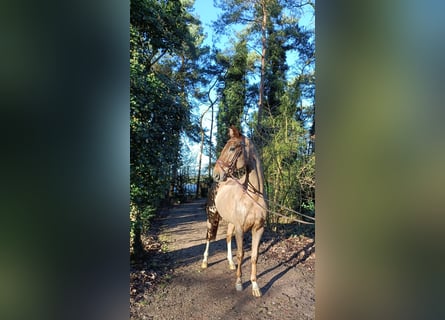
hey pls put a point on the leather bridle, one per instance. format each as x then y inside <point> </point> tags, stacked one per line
<point>229,168</point>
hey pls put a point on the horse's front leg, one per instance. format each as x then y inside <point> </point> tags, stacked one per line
<point>256,236</point>
<point>206,255</point>
<point>240,256</point>
<point>230,229</point>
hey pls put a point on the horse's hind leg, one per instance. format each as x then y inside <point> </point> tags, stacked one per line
<point>212,229</point>
<point>256,236</point>
<point>230,229</point>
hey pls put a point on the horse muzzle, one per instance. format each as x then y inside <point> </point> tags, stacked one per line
<point>219,177</point>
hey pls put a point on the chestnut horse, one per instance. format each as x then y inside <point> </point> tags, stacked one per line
<point>238,197</point>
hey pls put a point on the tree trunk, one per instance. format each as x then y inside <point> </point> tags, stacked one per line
<point>263,62</point>
<point>210,144</point>
<point>138,247</point>
<point>212,102</point>
<point>201,147</point>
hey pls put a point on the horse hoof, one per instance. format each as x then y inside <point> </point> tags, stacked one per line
<point>239,287</point>
<point>204,265</point>
<point>232,266</point>
<point>256,292</point>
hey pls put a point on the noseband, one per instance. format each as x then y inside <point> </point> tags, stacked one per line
<point>229,168</point>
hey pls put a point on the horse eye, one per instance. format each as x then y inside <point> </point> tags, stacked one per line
<point>232,149</point>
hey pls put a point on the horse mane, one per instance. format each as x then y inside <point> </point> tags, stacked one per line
<point>255,176</point>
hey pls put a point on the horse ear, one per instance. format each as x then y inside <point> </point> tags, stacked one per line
<point>233,132</point>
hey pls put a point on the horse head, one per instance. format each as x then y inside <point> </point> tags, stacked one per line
<point>233,158</point>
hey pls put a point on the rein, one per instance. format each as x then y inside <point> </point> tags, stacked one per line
<point>246,190</point>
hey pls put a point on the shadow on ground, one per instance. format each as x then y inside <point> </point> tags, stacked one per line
<point>182,221</point>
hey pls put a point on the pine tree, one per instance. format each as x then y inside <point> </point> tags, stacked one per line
<point>233,96</point>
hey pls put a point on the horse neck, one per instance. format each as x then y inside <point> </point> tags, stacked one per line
<point>255,176</point>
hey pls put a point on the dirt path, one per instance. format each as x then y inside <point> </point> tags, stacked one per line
<point>285,275</point>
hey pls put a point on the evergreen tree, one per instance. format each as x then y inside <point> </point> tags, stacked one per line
<point>233,97</point>
<point>163,46</point>
<point>255,16</point>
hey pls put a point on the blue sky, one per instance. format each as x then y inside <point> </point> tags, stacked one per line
<point>207,13</point>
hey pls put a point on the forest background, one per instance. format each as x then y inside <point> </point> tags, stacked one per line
<point>257,71</point>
